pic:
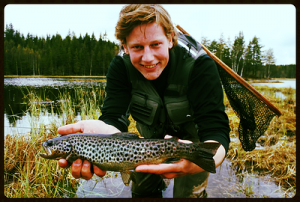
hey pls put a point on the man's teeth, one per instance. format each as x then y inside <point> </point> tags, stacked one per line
<point>149,67</point>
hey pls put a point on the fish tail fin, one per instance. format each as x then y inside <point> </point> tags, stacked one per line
<point>203,157</point>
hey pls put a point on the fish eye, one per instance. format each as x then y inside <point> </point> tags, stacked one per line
<point>49,143</point>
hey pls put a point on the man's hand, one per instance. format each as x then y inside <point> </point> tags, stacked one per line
<point>88,126</point>
<point>83,169</point>
<point>172,170</point>
<point>182,167</point>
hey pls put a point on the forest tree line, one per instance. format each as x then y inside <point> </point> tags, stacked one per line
<point>51,56</point>
<point>85,55</point>
<point>248,60</point>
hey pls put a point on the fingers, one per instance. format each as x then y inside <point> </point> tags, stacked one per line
<point>86,172</point>
<point>88,126</point>
<point>185,141</point>
<point>98,171</point>
<point>69,129</point>
<point>81,169</point>
<point>168,171</point>
<point>158,169</point>
<point>76,168</point>
<point>63,163</point>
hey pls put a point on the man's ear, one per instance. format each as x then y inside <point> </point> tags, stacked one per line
<point>171,40</point>
<point>125,49</point>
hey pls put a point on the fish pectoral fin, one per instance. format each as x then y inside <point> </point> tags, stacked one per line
<point>127,176</point>
<point>71,157</point>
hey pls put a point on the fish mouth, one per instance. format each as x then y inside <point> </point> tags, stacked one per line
<point>49,154</point>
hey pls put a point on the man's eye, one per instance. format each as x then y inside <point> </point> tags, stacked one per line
<point>156,44</point>
<point>137,47</point>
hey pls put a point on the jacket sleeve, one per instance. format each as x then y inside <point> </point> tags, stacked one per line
<point>118,95</point>
<point>207,100</point>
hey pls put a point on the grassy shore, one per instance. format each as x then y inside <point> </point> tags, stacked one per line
<point>28,175</point>
<point>277,156</point>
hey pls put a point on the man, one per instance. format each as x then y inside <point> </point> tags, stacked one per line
<point>167,92</point>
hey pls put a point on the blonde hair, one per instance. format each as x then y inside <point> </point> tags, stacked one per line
<point>137,14</point>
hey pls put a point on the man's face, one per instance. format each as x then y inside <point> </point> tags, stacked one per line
<point>148,48</point>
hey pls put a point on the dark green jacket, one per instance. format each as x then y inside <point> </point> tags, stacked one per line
<point>204,93</point>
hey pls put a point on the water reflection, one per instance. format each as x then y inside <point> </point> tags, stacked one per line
<point>53,82</point>
<point>225,183</point>
<point>16,96</point>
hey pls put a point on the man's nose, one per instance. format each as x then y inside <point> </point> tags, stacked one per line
<point>147,55</point>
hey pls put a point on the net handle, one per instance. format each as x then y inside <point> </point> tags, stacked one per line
<point>236,76</point>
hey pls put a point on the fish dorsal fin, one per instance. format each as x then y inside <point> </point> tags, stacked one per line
<point>126,135</point>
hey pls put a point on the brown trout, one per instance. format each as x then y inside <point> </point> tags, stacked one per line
<point>122,152</point>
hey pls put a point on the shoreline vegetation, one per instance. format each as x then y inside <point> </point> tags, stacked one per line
<point>27,175</point>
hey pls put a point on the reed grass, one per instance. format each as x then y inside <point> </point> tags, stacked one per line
<point>277,157</point>
<point>28,175</point>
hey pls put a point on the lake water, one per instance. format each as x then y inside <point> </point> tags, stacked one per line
<point>224,184</point>
<point>291,83</point>
<point>16,115</point>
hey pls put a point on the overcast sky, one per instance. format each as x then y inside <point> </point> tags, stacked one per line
<point>274,25</point>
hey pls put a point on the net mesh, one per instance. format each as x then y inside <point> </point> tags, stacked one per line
<point>255,116</point>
